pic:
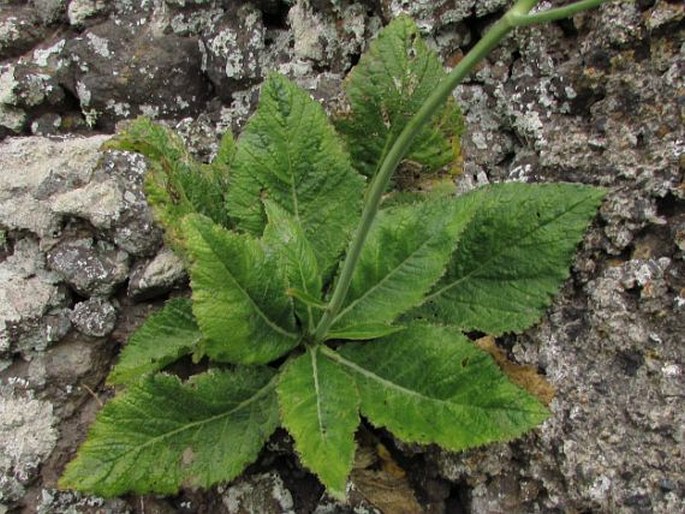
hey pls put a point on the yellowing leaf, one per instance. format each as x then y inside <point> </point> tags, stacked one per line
<point>161,433</point>
<point>239,295</point>
<point>176,185</point>
<point>523,375</point>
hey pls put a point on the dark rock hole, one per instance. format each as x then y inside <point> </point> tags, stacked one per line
<point>629,361</point>
<point>459,502</point>
<point>670,205</point>
<point>277,17</point>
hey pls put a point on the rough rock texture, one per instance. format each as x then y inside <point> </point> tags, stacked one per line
<point>597,99</point>
<point>94,317</point>
<point>32,303</point>
<point>27,436</point>
<point>154,278</point>
<point>259,493</point>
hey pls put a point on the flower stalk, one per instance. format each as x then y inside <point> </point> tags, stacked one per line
<point>518,15</point>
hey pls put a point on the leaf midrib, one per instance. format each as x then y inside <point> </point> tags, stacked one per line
<point>335,356</point>
<point>245,403</point>
<point>486,262</point>
<point>256,307</point>
<point>317,391</point>
<point>387,277</point>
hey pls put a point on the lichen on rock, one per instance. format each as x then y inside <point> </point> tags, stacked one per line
<point>596,99</point>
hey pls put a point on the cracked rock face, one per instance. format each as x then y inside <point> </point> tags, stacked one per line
<point>27,437</point>
<point>32,302</point>
<point>597,100</point>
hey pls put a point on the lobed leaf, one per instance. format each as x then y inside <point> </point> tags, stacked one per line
<point>320,408</point>
<point>239,295</point>
<point>162,434</point>
<point>512,257</point>
<point>429,384</point>
<point>406,252</point>
<point>287,238</point>
<point>385,89</point>
<point>165,337</point>
<point>176,185</point>
<point>290,154</point>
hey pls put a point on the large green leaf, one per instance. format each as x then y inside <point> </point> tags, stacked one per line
<point>166,336</point>
<point>513,256</point>
<point>161,433</point>
<point>429,384</point>
<point>239,295</point>
<point>406,252</point>
<point>176,184</point>
<point>288,240</point>
<point>290,154</point>
<point>388,86</point>
<point>320,408</point>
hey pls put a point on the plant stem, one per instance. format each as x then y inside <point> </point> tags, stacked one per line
<point>516,16</point>
<point>522,19</point>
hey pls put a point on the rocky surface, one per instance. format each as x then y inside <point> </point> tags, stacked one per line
<point>597,99</point>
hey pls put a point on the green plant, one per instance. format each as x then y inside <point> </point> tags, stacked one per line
<point>301,332</point>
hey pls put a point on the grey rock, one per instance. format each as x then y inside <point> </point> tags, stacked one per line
<point>156,277</point>
<point>627,212</point>
<point>65,365</point>
<point>92,268</point>
<point>95,317</point>
<point>121,70</point>
<point>328,39</point>
<point>310,32</point>
<point>32,86</point>
<point>32,303</point>
<point>27,86</point>
<point>134,230</point>
<point>259,493</point>
<point>71,179</point>
<point>12,120</point>
<point>81,10</point>
<point>100,203</point>
<point>47,124</point>
<point>49,11</point>
<point>231,50</point>
<point>27,437</point>
<point>485,144</point>
<point>194,21</point>
<point>37,169</point>
<point>665,15</point>
<point>431,15</point>
<point>53,501</point>
<point>185,3</point>
<point>622,24</point>
<point>113,201</point>
<point>20,30</point>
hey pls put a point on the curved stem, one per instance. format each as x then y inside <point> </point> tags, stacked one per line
<point>517,15</point>
<point>558,13</point>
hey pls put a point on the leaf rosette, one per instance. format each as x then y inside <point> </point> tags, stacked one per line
<point>264,229</point>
